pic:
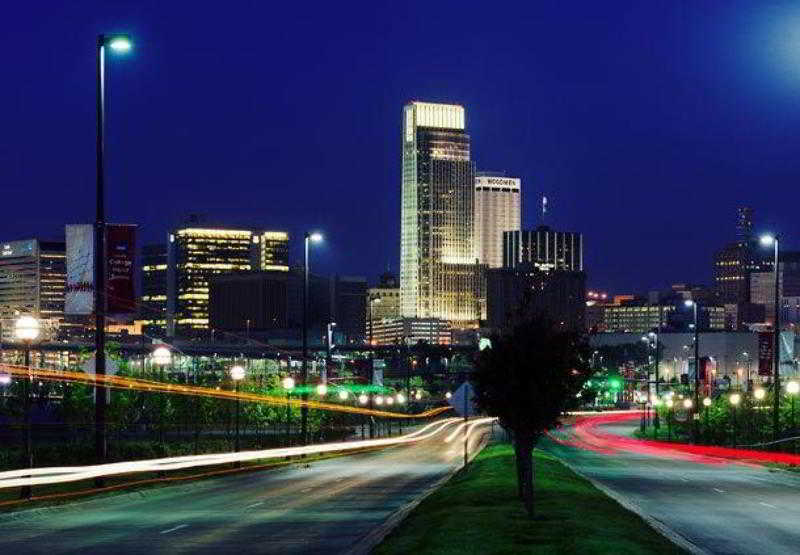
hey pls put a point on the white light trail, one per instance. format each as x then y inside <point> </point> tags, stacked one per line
<point>55,475</point>
<point>471,423</point>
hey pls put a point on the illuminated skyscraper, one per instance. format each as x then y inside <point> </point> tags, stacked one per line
<point>439,277</point>
<point>498,208</point>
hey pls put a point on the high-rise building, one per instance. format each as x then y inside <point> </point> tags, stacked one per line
<point>153,307</point>
<point>195,255</point>
<point>439,277</point>
<point>32,281</point>
<point>349,307</point>
<point>498,208</point>
<point>545,248</point>
<point>385,298</point>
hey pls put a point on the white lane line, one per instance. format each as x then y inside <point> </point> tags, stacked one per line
<point>254,505</point>
<point>305,490</point>
<point>684,479</point>
<point>719,490</point>
<point>178,527</point>
<point>767,505</point>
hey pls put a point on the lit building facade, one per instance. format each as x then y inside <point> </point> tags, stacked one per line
<point>498,208</point>
<point>195,255</point>
<point>439,277</point>
<point>32,281</point>
<point>153,306</point>
<point>385,300</point>
<point>410,331</point>
<point>545,248</point>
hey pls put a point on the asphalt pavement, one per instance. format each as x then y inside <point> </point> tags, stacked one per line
<point>328,506</point>
<point>719,505</point>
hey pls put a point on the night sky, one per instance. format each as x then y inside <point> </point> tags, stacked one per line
<point>646,123</point>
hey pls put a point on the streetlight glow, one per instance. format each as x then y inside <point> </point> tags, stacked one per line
<point>161,356</point>
<point>315,237</point>
<point>793,387</point>
<point>735,398</point>
<point>447,395</point>
<point>362,399</point>
<point>378,399</point>
<point>669,403</point>
<point>759,393</point>
<point>120,43</point>
<point>237,373</point>
<point>322,390</point>
<point>687,403</point>
<point>766,239</point>
<point>343,395</point>
<point>401,398</point>
<point>688,302</point>
<point>26,328</point>
<point>707,402</point>
<point>288,383</point>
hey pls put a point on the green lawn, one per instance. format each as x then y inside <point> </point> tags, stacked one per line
<point>478,512</point>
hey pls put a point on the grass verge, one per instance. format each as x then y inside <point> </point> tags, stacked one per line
<point>478,512</point>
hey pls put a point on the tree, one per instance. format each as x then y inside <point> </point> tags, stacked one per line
<point>525,379</point>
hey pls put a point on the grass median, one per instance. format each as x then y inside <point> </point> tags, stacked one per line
<point>477,511</point>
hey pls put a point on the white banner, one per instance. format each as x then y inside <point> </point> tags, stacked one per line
<point>79,295</point>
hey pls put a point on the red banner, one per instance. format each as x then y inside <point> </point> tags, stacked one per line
<point>765,353</point>
<point>120,265</point>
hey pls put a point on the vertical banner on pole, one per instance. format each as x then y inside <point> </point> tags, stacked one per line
<point>79,293</point>
<point>765,351</point>
<point>120,267</point>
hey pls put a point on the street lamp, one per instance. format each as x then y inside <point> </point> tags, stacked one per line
<point>26,329</point>
<point>237,375</point>
<point>288,385</point>
<point>696,423</point>
<point>120,44</point>
<point>322,390</point>
<point>343,395</point>
<point>310,237</point>
<point>448,395</point>
<point>734,399</point>
<point>768,240</point>
<point>363,399</point>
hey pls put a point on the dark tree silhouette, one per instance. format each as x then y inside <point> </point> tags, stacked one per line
<point>526,379</point>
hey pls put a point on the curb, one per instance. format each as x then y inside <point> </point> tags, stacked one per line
<point>670,534</point>
<point>365,545</point>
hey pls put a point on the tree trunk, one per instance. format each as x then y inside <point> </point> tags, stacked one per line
<point>523,447</point>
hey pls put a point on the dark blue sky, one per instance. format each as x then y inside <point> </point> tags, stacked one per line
<point>646,123</point>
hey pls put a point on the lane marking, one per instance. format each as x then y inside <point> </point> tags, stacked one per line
<point>305,490</point>
<point>684,479</point>
<point>178,527</point>
<point>254,505</point>
<point>767,505</point>
<point>719,490</point>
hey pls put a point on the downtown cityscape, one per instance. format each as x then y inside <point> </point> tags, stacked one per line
<point>347,280</point>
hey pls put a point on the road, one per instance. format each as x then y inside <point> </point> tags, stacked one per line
<point>720,505</point>
<point>326,507</point>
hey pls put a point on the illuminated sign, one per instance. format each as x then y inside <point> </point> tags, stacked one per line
<point>18,248</point>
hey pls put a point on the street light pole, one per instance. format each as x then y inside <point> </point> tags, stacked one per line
<point>309,237</point>
<point>768,240</point>
<point>695,419</point>
<point>119,43</point>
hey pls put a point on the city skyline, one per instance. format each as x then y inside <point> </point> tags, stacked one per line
<point>594,137</point>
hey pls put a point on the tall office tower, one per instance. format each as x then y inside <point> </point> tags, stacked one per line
<point>32,281</point>
<point>153,308</point>
<point>439,277</point>
<point>544,248</point>
<point>498,208</point>
<point>195,255</point>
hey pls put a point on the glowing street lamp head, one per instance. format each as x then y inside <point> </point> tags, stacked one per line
<point>363,399</point>
<point>400,398</point>
<point>759,393</point>
<point>288,383</point>
<point>688,302</point>
<point>343,395</point>
<point>26,328</point>
<point>237,373</point>
<point>161,356</point>
<point>448,395</point>
<point>118,43</point>
<point>418,395</point>
<point>707,402</point>
<point>315,237</point>
<point>389,400</point>
<point>687,403</point>
<point>669,402</point>
<point>766,239</point>
<point>793,387</point>
<point>322,390</point>
<point>735,399</point>
<point>378,399</point>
